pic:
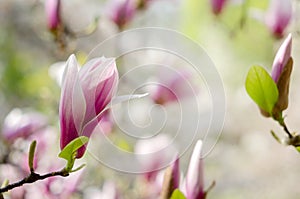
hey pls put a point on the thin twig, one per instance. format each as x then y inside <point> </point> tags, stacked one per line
<point>33,177</point>
<point>282,123</point>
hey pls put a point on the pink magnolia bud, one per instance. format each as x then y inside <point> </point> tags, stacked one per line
<point>21,124</point>
<point>217,6</point>
<point>52,8</point>
<point>194,185</point>
<point>122,11</point>
<point>278,16</point>
<point>84,97</point>
<point>173,87</point>
<point>282,57</point>
<point>281,72</point>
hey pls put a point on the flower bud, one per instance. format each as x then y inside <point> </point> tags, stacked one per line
<point>122,12</point>
<point>281,72</point>
<point>217,6</point>
<point>194,184</point>
<point>52,8</point>
<point>278,16</point>
<point>84,96</point>
<point>281,59</point>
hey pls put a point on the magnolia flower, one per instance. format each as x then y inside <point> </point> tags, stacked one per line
<point>122,11</point>
<point>85,95</point>
<point>173,87</point>
<point>52,8</point>
<point>194,184</point>
<point>281,72</point>
<point>278,16</point>
<point>21,124</point>
<point>282,57</point>
<point>217,6</point>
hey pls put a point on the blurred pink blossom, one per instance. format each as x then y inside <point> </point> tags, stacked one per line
<point>52,8</point>
<point>217,6</point>
<point>278,16</point>
<point>21,124</point>
<point>84,96</point>
<point>121,12</point>
<point>173,86</point>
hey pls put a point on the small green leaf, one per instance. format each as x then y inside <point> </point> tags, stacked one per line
<point>78,168</point>
<point>69,151</point>
<point>261,88</point>
<point>31,155</point>
<point>177,194</point>
<point>5,183</point>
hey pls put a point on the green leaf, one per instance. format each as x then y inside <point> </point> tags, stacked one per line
<point>78,168</point>
<point>5,183</point>
<point>261,88</point>
<point>31,155</point>
<point>177,194</point>
<point>70,150</point>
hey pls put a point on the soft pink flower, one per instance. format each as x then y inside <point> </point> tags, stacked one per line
<point>52,8</point>
<point>173,87</point>
<point>84,96</point>
<point>278,16</point>
<point>121,12</point>
<point>282,57</point>
<point>21,124</point>
<point>194,183</point>
<point>217,6</point>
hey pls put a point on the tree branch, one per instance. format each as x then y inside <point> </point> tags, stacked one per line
<point>33,177</point>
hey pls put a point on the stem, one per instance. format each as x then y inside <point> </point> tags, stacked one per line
<point>33,177</point>
<point>244,14</point>
<point>282,123</point>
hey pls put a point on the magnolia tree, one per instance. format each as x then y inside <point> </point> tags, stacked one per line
<point>96,119</point>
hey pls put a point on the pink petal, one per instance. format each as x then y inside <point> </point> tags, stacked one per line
<point>282,57</point>
<point>194,179</point>
<point>67,125</point>
<point>278,16</point>
<point>52,11</point>
<point>217,6</point>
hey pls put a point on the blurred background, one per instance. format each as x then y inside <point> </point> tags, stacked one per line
<point>246,162</point>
